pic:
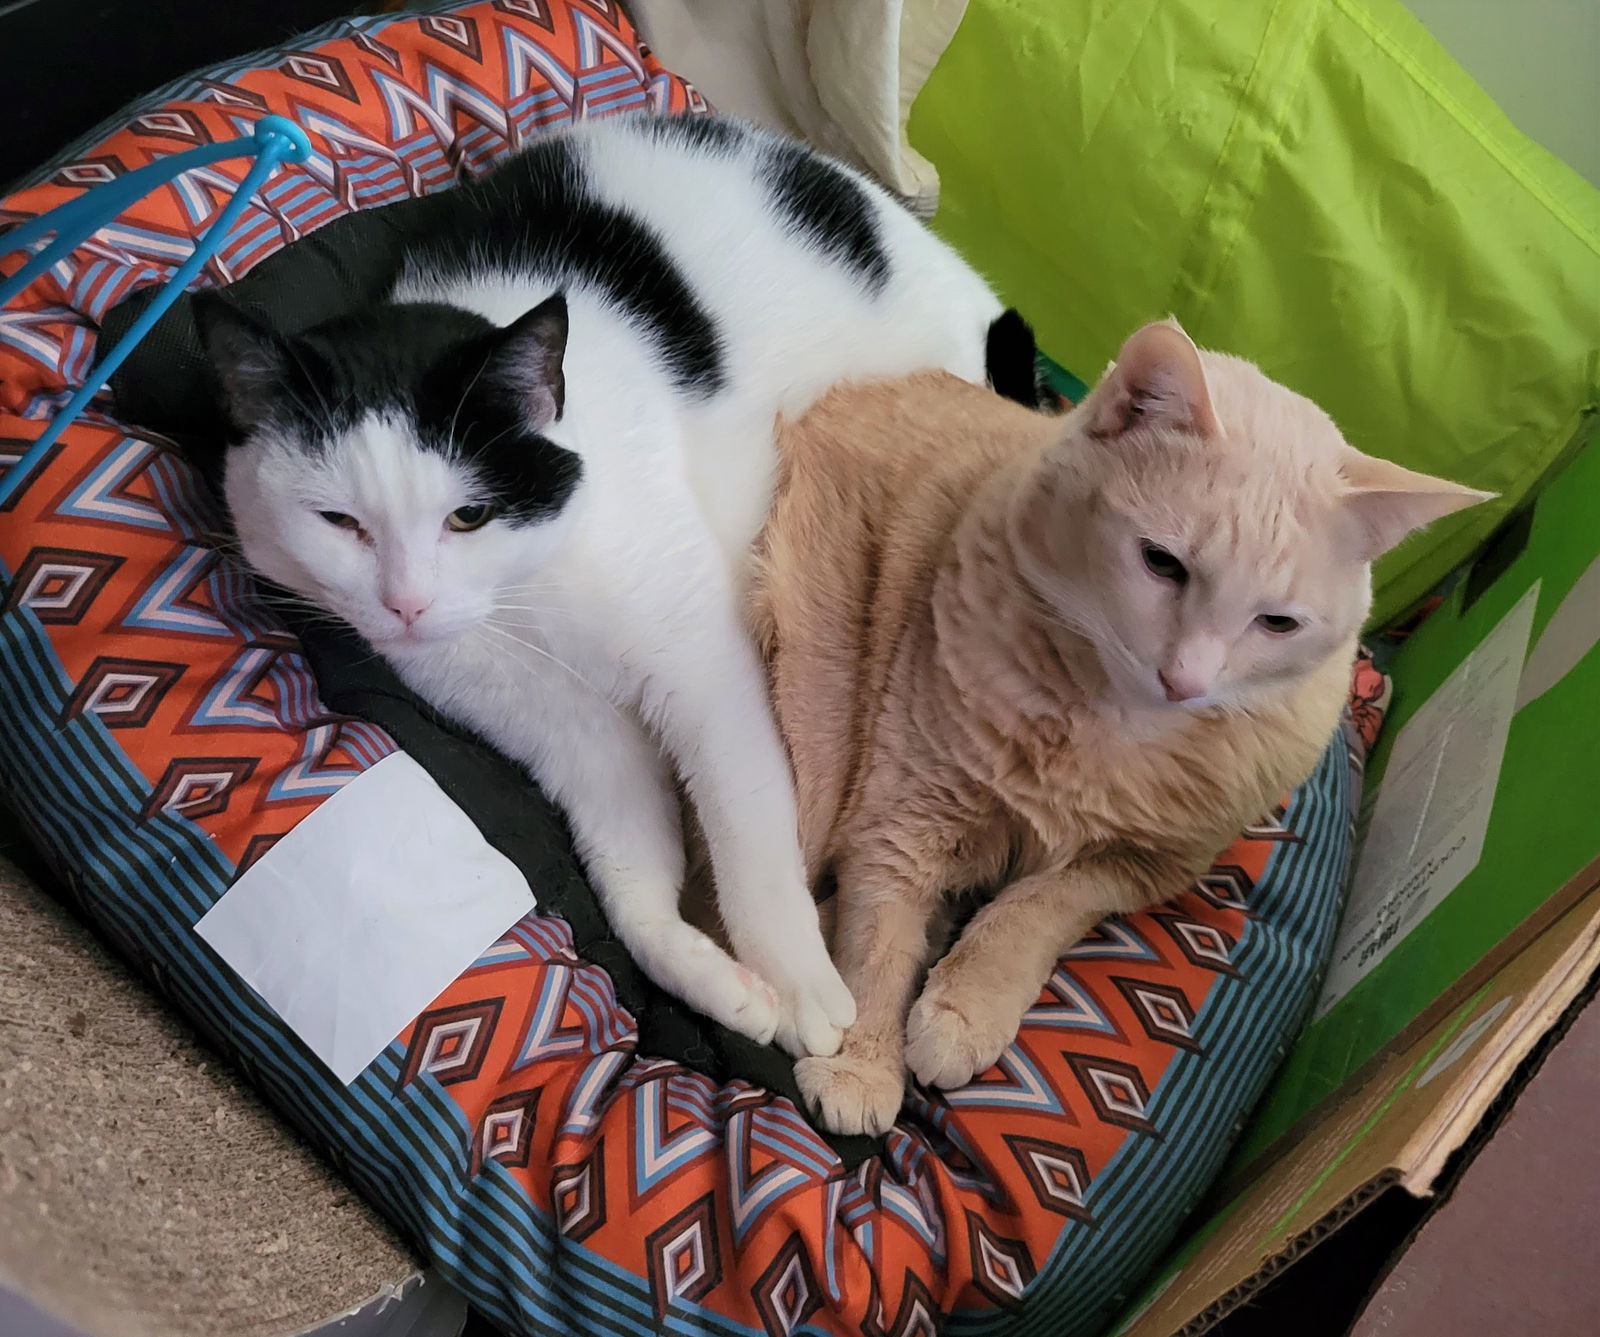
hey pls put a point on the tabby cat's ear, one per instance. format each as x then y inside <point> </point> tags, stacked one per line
<point>1388,501</point>
<point>251,361</point>
<point>1156,381</point>
<point>527,360</point>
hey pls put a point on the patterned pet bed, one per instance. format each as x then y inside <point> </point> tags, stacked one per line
<point>576,1152</point>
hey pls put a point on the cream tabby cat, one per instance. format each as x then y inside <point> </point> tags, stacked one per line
<point>1058,661</point>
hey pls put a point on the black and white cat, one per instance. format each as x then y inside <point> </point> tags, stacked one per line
<point>531,479</point>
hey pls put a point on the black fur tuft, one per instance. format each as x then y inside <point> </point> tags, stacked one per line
<point>1011,357</point>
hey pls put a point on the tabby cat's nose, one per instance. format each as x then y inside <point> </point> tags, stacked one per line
<point>1180,687</point>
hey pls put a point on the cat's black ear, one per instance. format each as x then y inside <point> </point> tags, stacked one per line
<point>1011,358</point>
<point>527,360</point>
<point>250,361</point>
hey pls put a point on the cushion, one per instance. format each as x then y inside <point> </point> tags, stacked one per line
<point>574,1151</point>
<point>1335,198</point>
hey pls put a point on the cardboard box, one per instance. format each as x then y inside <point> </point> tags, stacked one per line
<point>1473,924</point>
<point>1511,1248</point>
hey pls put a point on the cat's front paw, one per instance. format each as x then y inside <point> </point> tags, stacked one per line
<point>851,1094</point>
<point>815,1009</point>
<point>685,962</point>
<point>947,1046</point>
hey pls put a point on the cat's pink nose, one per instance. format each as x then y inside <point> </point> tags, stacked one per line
<point>409,610</point>
<point>1181,686</point>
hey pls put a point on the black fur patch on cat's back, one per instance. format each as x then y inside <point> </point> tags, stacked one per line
<point>830,211</point>
<point>534,212</point>
<point>709,134</point>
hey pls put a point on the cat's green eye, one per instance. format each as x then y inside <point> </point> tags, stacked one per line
<point>1162,564</point>
<point>1278,624</point>
<point>340,519</point>
<point>464,519</point>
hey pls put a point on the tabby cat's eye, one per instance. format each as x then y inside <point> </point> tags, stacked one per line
<point>1278,624</point>
<point>340,519</point>
<point>1162,564</point>
<point>464,519</point>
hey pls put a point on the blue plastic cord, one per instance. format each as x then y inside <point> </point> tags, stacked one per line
<point>275,140</point>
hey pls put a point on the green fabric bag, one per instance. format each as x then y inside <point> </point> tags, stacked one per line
<point>1313,184</point>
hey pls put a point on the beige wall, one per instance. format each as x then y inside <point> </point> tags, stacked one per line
<point>1539,59</point>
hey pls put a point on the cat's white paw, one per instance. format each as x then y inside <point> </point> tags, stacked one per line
<point>756,1010</point>
<point>683,961</point>
<point>849,1093</point>
<point>946,1048</point>
<point>816,1008</point>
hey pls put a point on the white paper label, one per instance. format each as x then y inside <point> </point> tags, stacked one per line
<point>362,914</point>
<point>1430,815</point>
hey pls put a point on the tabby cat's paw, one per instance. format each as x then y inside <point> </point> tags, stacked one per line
<point>947,1048</point>
<point>850,1094</point>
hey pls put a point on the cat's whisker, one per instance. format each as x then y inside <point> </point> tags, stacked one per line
<point>329,418</point>
<point>310,613</point>
<point>229,550</point>
<point>323,419</point>
<point>362,660</point>
<point>537,611</point>
<point>1059,608</point>
<point>450,434</point>
<point>328,623</point>
<point>533,592</point>
<point>301,601</point>
<point>497,436</point>
<point>491,626</point>
<point>303,609</point>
